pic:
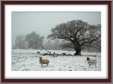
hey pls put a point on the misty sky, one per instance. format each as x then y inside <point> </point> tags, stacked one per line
<point>42,22</point>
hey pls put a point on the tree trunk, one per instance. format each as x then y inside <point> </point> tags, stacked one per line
<point>77,47</point>
<point>78,51</point>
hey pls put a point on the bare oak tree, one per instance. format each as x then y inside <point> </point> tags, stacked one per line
<point>77,32</point>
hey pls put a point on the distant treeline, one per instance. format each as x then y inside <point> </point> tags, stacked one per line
<point>31,40</point>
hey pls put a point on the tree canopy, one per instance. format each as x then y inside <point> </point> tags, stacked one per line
<point>77,32</point>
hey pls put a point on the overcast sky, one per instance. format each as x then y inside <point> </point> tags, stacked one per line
<point>42,22</point>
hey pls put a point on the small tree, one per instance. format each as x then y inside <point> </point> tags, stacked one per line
<point>77,32</point>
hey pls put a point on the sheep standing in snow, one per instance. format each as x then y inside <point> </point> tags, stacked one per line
<point>43,60</point>
<point>63,54</point>
<point>91,61</point>
<point>38,52</point>
<point>55,54</point>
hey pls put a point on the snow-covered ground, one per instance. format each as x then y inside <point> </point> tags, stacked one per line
<point>28,60</point>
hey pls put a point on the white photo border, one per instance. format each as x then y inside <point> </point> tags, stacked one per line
<point>103,74</point>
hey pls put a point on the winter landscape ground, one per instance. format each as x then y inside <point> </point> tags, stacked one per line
<point>28,60</point>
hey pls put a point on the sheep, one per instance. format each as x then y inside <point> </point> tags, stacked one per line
<point>55,54</point>
<point>49,52</point>
<point>63,54</point>
<point>91,61</point>
<point>38,52</point>
<point>43,60</point>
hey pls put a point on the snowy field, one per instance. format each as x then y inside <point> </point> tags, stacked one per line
<point>28,60</point>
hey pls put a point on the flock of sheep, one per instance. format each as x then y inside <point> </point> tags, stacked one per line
<point>43,59</point>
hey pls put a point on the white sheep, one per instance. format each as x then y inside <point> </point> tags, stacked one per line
<point>43,60</point>
<point>91,61</point>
